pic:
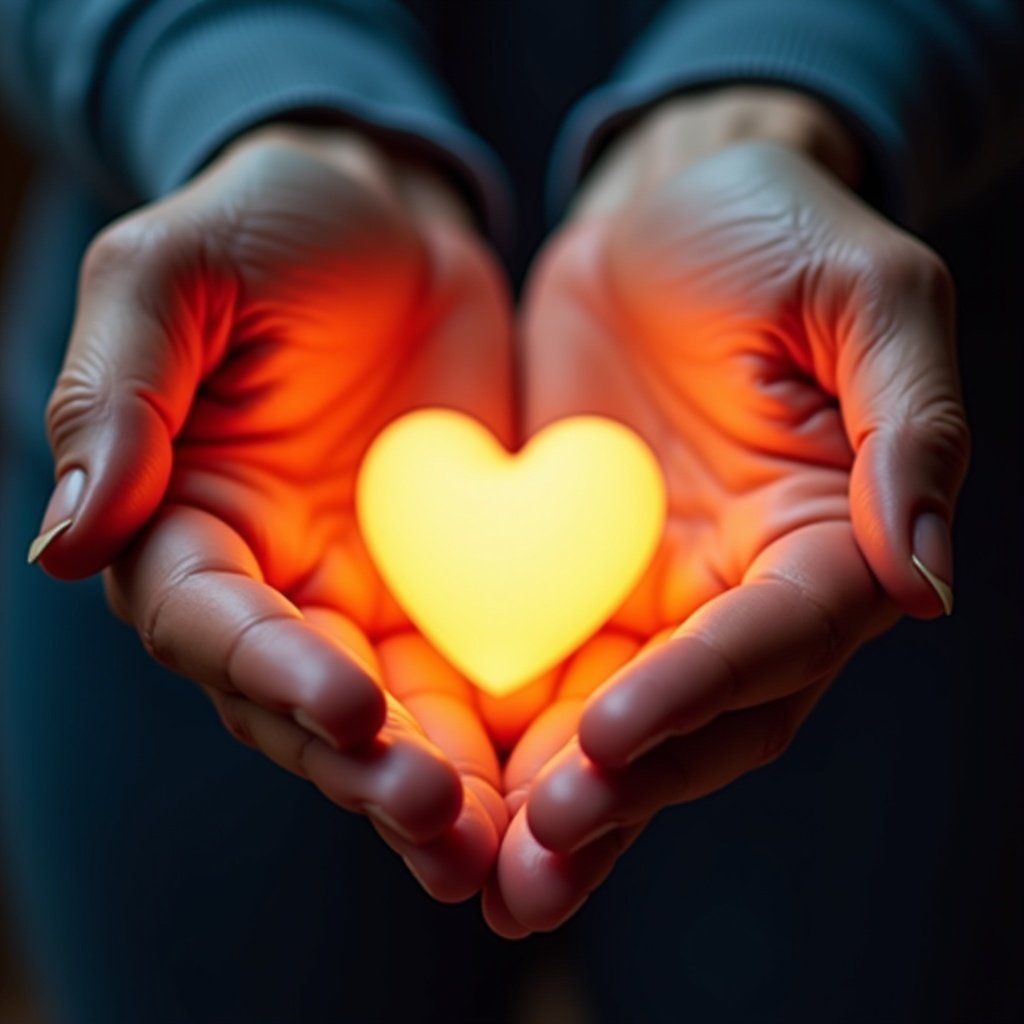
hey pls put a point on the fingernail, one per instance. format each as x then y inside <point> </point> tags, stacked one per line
<point>374,811</point>
<point>43,541</point>
<point>933,556</point>
<point>310,724</point>
<point>60,512</point>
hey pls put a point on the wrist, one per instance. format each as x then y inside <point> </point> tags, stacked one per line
<point>682,130</point>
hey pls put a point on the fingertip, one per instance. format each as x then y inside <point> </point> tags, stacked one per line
<point>912,581</point>
<point>290,662</point>
<point>348,714</point>
<point>671,689</point>
<point>109,488</point>
<point>933,557</point>
<point>497,915</point>
<point>568,802</point>
<point>541,889</point>
<point>901,501</point>
<point>58,519</point>
<point>421,790</point>
<point>455,866</point>
<point>605,735</point>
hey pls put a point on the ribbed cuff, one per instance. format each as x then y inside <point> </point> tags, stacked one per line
<point>189,79</point>
<point>851,56</point>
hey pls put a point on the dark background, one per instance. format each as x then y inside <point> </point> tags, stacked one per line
<point>950,691</point>
<point>15,1005</point>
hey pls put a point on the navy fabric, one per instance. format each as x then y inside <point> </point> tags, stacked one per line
<point>932,91</point>
<point>136,97</point>
<point>164,874</point>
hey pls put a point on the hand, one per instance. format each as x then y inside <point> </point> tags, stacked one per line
<point>788,355</point>
<point>236,348</point>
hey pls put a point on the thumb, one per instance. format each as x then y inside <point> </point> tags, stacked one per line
<point>132,366</point>
<point>900,393</point>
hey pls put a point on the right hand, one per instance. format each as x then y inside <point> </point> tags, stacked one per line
<point>236,348</point>
<point>788,356</point>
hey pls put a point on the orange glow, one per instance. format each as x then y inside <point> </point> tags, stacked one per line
<point>507,563</point>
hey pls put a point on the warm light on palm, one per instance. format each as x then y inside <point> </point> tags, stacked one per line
<point>239,345</point>
<point>335,317</point>
<point>752,447</point>
<point>740,319</point>
<point>295,302</point>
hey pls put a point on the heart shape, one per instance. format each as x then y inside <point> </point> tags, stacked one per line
<point>508,562</point>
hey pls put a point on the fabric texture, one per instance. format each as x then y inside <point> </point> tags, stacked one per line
<point>932,89</point>
<point>137,97</point>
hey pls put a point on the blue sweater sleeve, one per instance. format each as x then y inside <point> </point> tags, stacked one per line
<point>932,89</point>
<point>136,96</point>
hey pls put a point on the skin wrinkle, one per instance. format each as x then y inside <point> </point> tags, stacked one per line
<point>244,634</point>
<point>208,501</point>
<point>732,674</point>
<point>836,640</point>
<point>76,399</point>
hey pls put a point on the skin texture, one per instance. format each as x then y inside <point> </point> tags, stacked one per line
<point>236,349</point>
<point>787,354</point>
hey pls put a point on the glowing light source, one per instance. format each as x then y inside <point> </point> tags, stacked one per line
<point>508,562</point>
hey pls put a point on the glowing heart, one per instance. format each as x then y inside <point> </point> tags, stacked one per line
<point>507,563</point>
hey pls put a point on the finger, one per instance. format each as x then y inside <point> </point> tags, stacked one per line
<point>552,730</point>
<point>804,606</point>
<point>194,591</point>
<point>900,393</point>
<point>541,889</point>
<point>134,359</point>
<point>497,915</point>
<point>575,802</point>
<point>399,778</point>
<point>598,659</point>
<point>454,866</point>
<point>442,702</point>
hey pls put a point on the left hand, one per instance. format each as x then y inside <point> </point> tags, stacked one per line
<point>237,346</point>
<point>788,356</point>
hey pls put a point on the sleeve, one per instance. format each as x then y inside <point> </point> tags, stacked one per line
<point>137,96</point>
<point>932,89</point>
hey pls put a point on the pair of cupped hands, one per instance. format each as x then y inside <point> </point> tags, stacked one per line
<point>786,353</point>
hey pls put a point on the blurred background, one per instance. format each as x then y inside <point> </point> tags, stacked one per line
<point>16,1004</point>
<point>951,688</point>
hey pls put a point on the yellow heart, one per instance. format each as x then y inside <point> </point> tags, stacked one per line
<point>507,563</point>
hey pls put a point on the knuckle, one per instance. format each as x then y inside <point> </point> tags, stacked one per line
<point>834,633</point>
<point>155,622</point>
<point>122,246</point>
<point>933,277</point>
<point>151,633</point>
<point>79,395</point>
<point>907,269</point>
<point>942,426</point>
<point>940,432</point>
